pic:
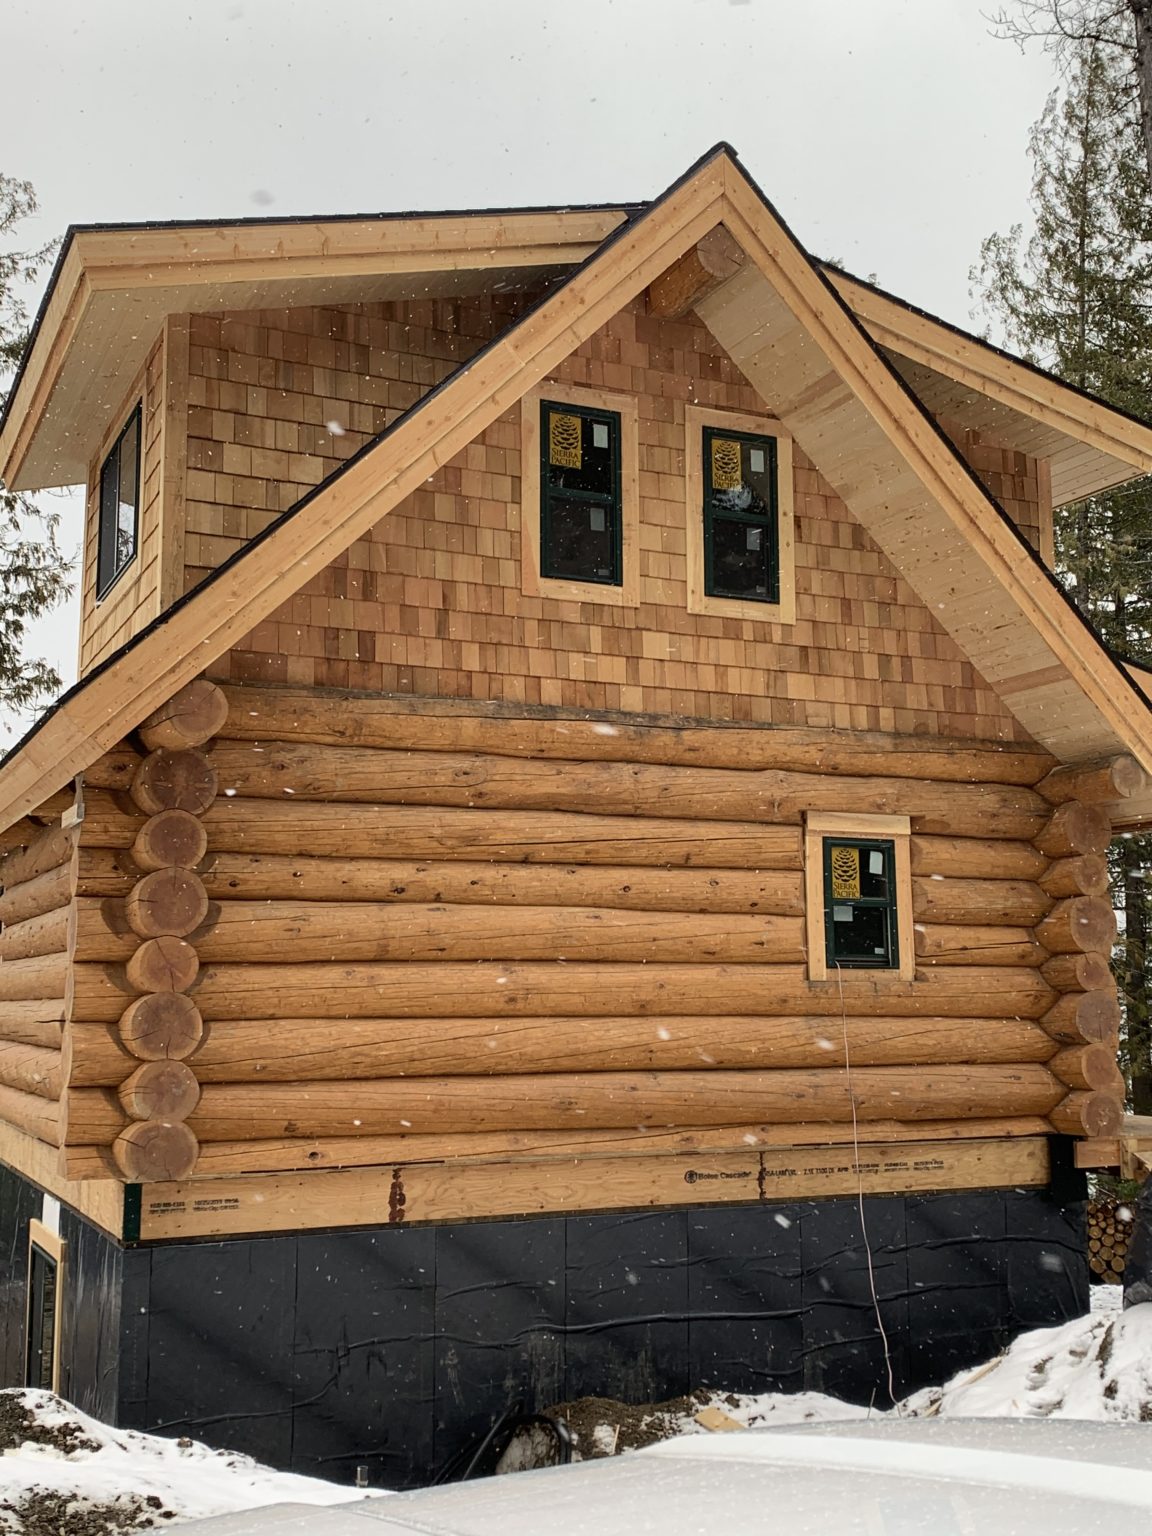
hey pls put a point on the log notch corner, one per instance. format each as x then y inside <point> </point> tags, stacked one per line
<point>173,786</point>
<point>1078,934</point>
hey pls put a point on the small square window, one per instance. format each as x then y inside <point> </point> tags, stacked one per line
<point>119,506</point>
<point>580,505</point>
<point>741,533</point>
<point>860,926</point>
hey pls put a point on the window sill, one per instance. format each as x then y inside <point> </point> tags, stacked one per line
<point>783,612</point>
<point>555,587</point>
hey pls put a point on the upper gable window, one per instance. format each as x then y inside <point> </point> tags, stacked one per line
<point>119,506</point>
<point>581,530</point>
<point>738,521</point>
<point>741,538</point>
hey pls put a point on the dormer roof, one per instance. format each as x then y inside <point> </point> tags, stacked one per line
<point>784,322</point>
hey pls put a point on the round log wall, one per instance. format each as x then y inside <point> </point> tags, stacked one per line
<point>308,921</point>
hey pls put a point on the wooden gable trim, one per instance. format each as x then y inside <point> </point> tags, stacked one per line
<point>986,370</point>
<point>980,578</point>
<point>103,265</point>
<point>846,386</point>
<point>97,714</point>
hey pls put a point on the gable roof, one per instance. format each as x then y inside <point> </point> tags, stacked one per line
<point>797,341</point>
<point>1089,444</point>
<point>113,285</point>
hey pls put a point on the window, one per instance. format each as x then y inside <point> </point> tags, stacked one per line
<point>579,515</point>
<point>738,523</point>
<point>860,925</point>
<point>741,548</point>
<point>45,1279</point>
<point>580,521</point>
<point>858,889</point>
<point>119,504</point>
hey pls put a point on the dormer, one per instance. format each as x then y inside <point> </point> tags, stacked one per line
<point>200,379</point>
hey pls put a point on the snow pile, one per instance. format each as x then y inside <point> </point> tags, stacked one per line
<point>1097,1367</point>
<point>65,1474</point>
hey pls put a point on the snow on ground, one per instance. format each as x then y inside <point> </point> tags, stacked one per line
<point>1097,1367</point>
<point>65,1474</point>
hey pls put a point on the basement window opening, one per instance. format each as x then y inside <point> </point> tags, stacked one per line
<point>580,496</point>
<point>45,1294</point>
<point>741,534</point>
<point>119,506</point>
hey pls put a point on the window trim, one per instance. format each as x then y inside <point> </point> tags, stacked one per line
<point>818,827</point>
<point>696,420</point>
<point>533,582</point>
<point>53,1248</point>
<point>135,416</point>
<point>551,499</point>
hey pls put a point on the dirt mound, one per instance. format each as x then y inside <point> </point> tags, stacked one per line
<point>44,1513</point>
<point>20,1426</point>
<point>601,1426</point>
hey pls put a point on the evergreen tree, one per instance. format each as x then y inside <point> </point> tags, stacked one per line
<point>1076,297</point>
<point>34,573</point>
<point>1122,28</point>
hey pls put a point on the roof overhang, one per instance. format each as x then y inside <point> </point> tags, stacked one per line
<point>115,285</point>
<point>113,288</point>
<point>808,356</point>
<point>1089,445</point>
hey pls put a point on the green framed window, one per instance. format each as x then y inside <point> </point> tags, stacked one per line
<point>741,523</point>
<point>581,532</point>
<point>860,903</point>
<point>119,506</point>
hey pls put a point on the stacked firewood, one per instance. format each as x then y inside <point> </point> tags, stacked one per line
<point>1109,1227</point>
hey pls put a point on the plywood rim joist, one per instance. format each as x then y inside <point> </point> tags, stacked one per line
<point>174,650</point>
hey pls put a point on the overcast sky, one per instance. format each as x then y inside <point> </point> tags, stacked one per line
<point>891,134</point>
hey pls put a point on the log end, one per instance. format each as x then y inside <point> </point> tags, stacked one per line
<point>170,839</point>
<point>190,718</point>
<point>166,902</point>
<point>160,1090</point>
<point>1090,1114</point>
<point>155,1151</point>
<point>162,1026</point>
<point>166,964</point>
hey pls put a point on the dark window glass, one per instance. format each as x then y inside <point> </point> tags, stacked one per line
<point>580,525</point>
<point>43,1278</point>
<point>860,903</point>
<point>119,504</point>
<point>741,542</point>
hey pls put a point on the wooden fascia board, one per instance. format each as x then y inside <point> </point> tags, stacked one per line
<point>990,373</point>
<point>936,464</point>
<point>58,328</point>
<point>243,592</point>
<point>127,260</point>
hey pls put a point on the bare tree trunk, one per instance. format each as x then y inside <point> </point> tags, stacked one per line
<point>1142,28</point>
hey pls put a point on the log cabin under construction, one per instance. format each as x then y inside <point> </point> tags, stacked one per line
<point>578,848</point>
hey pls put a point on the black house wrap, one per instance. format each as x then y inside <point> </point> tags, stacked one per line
<point>397,1348</point>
